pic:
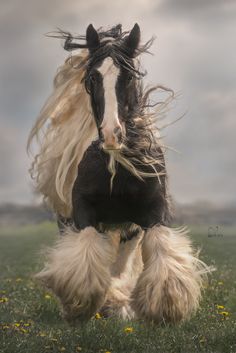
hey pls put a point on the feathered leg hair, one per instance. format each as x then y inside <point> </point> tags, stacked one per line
<point>78,271</point>
<point>125,272</point>
<point>169,288</point>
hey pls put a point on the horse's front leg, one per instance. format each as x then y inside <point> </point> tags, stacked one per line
<point>84,213</point>
<point>169,288</point>
<point>78,268</point>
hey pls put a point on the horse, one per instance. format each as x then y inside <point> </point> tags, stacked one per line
<point>101,169</point>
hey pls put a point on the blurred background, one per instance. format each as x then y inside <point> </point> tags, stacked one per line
<point>194,54</point>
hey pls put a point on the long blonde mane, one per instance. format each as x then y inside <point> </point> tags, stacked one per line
<point>64,130</point>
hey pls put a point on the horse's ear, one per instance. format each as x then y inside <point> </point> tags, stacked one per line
<point>92,38</point>
<point>133,39</point>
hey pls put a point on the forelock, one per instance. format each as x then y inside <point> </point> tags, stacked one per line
<point>113,48</point>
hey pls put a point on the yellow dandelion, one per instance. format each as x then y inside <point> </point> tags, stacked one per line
<point>129,329</point>
<point>4,300</point>
<point>224,313</point>
<point>26,325</point>
<point>220,306</point>
<point>202,340</point>
<point>17,324</point>
<point>47,296</point>
<point>108,352</point>
<point>220,283</point>
<point>23,330</point>
<point>98,316</point>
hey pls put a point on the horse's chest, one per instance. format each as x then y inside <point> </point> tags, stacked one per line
<point>100,186</point>
<point>95,181</point>
<point>129,199</point>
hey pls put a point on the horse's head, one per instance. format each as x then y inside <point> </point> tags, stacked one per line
<point>110,80</point>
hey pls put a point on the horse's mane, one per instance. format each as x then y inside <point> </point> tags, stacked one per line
<point>70,130</point>
<point>65,129</point>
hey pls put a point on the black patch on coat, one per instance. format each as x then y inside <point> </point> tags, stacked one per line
<point>131,200</point>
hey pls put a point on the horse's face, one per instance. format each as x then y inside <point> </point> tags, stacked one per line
<point>111,84</point>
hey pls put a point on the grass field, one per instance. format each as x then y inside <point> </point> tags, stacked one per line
<point>30,319</point>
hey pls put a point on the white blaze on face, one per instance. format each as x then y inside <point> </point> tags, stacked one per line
<point>110,120</point>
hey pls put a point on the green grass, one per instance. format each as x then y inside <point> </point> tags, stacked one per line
<point>30,318</point>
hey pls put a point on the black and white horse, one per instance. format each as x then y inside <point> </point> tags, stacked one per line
<point>101,168</point>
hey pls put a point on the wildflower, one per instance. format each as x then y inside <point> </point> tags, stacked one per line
<point>23,330</point>
<point>98,316</point>
<point>129,329</point>
<point>47,296</point>
<point>17,324</point>
<point>220,283</point>
<point>224,313</point>
<point>220,306</point>
<point>4,300</point>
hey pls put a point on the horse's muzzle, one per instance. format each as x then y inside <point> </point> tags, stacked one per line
<point>111,139</point>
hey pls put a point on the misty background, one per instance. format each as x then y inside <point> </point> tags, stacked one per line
<point>194,54</point>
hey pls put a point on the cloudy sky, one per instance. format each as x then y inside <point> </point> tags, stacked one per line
<point>194,54</point>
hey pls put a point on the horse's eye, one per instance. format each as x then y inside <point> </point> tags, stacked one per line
<point>92,78</point>
<point>129,77</point>
<point>87,85</point>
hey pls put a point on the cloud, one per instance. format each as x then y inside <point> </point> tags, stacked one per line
<point>199,13</point>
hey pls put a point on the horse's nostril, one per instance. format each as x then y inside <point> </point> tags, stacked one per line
<point>117,130</point>
<point>118,133</point>
<point>101,136</point>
